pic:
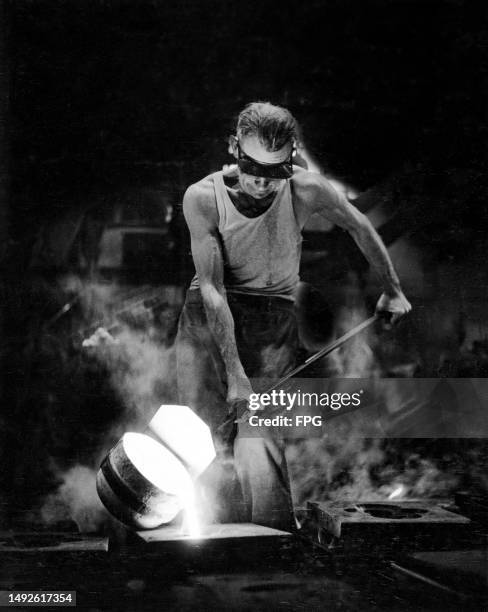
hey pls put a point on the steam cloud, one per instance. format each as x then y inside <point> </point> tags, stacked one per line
<point>141,370</point>
<point>349,467</point>
<point>75,499</point>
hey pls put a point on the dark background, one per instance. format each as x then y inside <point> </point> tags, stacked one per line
<point>102,97</point>
<point>106,93</point>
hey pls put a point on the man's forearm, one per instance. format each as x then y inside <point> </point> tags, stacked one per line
<point>221,324</point>
<point>377,255</point>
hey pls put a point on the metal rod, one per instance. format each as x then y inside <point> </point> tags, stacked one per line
<point>322,353</point>
<point>325,351</point>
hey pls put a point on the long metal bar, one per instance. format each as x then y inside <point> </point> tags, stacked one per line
<point>318,355</point>
<point>325,351</point>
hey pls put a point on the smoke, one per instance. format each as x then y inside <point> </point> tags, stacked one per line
<point>349,467</point>
<point>142,374</point>
<point>131,352</point>
<point>133,345</point>
<point>345,465</point>
<point>76,499</point>
<point>356,358</point>
<point>323,469</point>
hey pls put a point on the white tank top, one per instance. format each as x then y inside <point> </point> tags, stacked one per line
<point>261,254</point>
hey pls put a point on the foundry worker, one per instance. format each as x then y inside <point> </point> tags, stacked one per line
<point>238,321</point>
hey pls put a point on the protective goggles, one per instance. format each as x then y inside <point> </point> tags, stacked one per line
<point>248,165</point>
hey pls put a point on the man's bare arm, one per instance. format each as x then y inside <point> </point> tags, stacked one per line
<point>321,197</point>
<point>201,217</point>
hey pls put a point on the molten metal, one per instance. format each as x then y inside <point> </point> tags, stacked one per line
<point>186,435</point>
<point>145,484</point>
<point>157,464</point>
<point>397,493</point>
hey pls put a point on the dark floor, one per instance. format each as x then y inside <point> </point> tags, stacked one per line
<point>261,573</point>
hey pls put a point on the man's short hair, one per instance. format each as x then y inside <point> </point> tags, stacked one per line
<point>273,125</point>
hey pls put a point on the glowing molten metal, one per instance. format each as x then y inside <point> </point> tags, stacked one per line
<point>397,493</point>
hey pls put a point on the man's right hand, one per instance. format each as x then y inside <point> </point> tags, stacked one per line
<point>239,390</point>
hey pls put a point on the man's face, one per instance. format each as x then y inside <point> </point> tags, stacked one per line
<point>256,185</point>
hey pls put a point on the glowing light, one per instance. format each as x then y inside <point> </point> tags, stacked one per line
<point>191,523</point>
<point>183,432</point>
<point>157,464</point>
<point>397,493</point>
<point>164,470</point>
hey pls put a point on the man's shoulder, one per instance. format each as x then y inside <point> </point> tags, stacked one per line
<point>199,198</point>
<point>305,187</point>
<point>202,189</point>
<point>304,179</point>
<point>309,187</point>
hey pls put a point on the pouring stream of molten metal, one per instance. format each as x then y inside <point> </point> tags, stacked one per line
<point>189,438</point>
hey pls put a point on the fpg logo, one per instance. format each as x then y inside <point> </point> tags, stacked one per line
<point>306,420</point>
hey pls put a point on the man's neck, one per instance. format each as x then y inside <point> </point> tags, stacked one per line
<point>246,204</point>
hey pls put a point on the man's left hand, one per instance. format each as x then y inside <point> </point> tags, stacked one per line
<point>395,304</point>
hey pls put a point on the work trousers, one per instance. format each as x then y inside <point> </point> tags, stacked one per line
<point>248,482</point>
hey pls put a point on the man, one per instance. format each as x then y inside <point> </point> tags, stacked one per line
<point>238,321</point>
